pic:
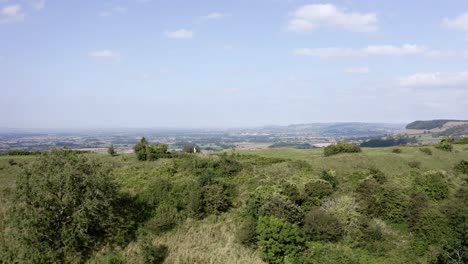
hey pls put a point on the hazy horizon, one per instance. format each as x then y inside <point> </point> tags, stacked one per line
<point>230,64</point>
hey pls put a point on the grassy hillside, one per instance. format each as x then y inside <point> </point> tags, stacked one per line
<point>215,208</point>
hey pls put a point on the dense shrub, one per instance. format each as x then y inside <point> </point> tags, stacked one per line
<point>341,147</point>
<point>414,164</point>
<point>396,150</point>
<point>426,151</point>
<point>433,184</point>
<point>66,205</point>
<point>345,209</point>
<point>292,192</point>
<point>215,199</point>
<point>151,254</point>
<point>316,190</point>
<point>431,229</point>
<point>320,225</point>
<point>374,237</point>
<point>278,239</point>
<point>382,201</point>
<point>462,167</point>
<point>418,202</point>
<point>165,218</point>
<point>446,144</point>
<point>329,253</point>
<point>378,175</point>
<point>330,177</point>
<point>246,233</point>
<point>282,208</point>
<point>145,151</point>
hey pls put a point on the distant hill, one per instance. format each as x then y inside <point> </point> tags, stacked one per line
<point>431,124</point>
<point>348,129</point>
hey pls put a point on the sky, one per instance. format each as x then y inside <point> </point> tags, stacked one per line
<point>194,64</point>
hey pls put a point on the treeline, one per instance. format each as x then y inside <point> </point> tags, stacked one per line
<point>388,142</point>
<point>292,145</point>
<point>430,124</point>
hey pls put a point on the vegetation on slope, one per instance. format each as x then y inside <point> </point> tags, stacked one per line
<point>430,124</point>
<point>274,205</point>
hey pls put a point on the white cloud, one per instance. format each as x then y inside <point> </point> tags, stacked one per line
<point>376,50</point>
<point>11,13</point>
<point>114,10</point>
<point>406,49</point>
<point>359,70</point>
<point>216,15</point>
<point>310,17</point>
<point>459,22</point>
<point>180,34</point>
<point>437,54</point>
<point>107,54</point>
<point>436,79</point>
<point>38,4</point>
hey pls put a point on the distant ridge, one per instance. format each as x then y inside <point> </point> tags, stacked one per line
<point>431,124</point>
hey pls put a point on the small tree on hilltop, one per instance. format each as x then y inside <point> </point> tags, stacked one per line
<point>111,150</point>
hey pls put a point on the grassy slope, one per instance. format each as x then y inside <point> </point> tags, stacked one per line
<point>212,240</point>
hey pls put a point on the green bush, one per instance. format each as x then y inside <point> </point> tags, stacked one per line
<point>279,207</point>
<point>330,177</point>
<point>426,151</point>
<point>462,167</point>
<point>418,202</point>
<point>378,175</point>
<point>446,144</point>
<point>382,201</point>
<point>292,192</point>
<point>316,190</point>
<point>341,147</point>
<point>414,164</point>
<point>320,225</point>
<point>396,150</point>
<point>151,254</point>
<point>215,199</point>
<point>433,184</point>
<point>431,229</point>
<point>278,239</point>
<point>247,234</point>
<point>145,151</point>
<point>329,253</point>
<point>165,219</point>
<point>66,206</point>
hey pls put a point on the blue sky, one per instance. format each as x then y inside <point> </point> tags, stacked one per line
<point>173,63</point>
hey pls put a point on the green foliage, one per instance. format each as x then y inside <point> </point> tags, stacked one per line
<point>165,218</point>
<point>292,192</point>
<point>414,164</point>
<point>215,199</point>
<point>384,201</point>
<point>433,184</point>
<point>320,225</point>
<point>247,234</point>
<point>396,150</point>
<point>341,147</point>
<point>378,175</point>
<point>151,254</point>
<point>329,253</point>
<point>316,190</point>
<point>330,177</point>
<point>145,151</point>
<point>111,150</point>
<point>431,229</point>
<point>426,151</point>
<point>191,148</point>
<point>462,167</point>
<point>282,208</point>
<point>446,144</point>
<point>66,206</point>
<point>278,239</point>
<point>418,202</point>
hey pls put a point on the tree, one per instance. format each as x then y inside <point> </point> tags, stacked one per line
<point>140,149</point>
<point>66,206</point>
<point>111,150</point>
<point>446,144</point>
<point>341,147</point>
<point>278,239</point>
<point>191,148</point>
